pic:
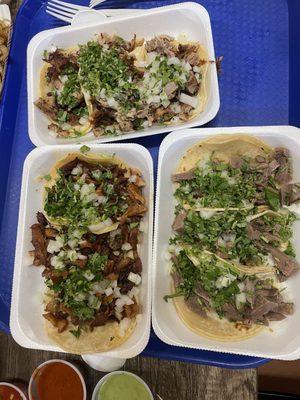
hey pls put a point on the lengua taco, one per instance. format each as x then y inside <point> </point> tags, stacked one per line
<point>87,240</point>
<point>61,97</point>
<point>231,215</point>
<point>126,85</point>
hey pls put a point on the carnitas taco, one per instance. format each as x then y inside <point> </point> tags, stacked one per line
<point>127,85</point>
<point>231,205</point>
<point>87,239</point>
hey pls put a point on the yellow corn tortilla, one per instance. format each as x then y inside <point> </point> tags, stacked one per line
<point>102,338</point>
<point>103,159</point>
<point>223,148</point>
<point>213,327</point>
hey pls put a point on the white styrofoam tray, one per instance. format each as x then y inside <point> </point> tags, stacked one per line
<point>190,19</point>
<point>26,321</point>
<point>284,342</point>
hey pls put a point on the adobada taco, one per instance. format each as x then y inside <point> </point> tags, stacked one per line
<point>216,299</point>
<point>88,242</point>
<point>98,180</point>
<point>61,98</point>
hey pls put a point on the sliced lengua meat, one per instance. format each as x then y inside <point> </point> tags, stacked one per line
<point>284,172</point>
<point>290,193</point>
<point>231,312</point>
<point>275,316</point>
<point>286,264</point>
<point>286,308</point>
<point>194,305</point>
<point>261,307</point>
<point>236,162</point>
<point>178,224</point>
<point>176,279</point>
<point>182,176</point>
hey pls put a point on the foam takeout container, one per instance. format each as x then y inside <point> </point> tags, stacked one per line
<point>27,323</point>
<point>284,341</point>
<point>189,19</point>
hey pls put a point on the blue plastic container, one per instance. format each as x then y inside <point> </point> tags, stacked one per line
<point>259,85</point>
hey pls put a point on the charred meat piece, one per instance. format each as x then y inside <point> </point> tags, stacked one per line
<point>39,243</point>
<point>46,108</point>
<point>190,53</point>
<point>132,211</point>
<point>135,193</point>
<point>60,323</point>
<point>130,311</point>
<point>42,220</point>
<point>162,44</point>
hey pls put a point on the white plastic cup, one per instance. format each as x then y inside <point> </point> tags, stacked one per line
<point>100,383</point>
<point>103,363</point>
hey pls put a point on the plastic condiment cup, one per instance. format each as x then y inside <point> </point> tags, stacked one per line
<point>102,380</point>
<point>20,388</point>
<point>41,366</point>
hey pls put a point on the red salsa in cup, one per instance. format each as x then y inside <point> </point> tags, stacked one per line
<point>56,380</point>
<point>9,393</point>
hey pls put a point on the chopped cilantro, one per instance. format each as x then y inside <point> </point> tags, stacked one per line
<point>47,177</point>
<point>84,149</point>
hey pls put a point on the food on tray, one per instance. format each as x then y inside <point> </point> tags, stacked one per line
<point>233,236</point>
<point>56,380</point>
<point>87,239</point>
<point>112,86</point>
<point>4,36</point>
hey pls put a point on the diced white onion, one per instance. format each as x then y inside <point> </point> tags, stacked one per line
<point>206,214</point>
<point>132,178</point>
<point>83,120</point>
<point>240,299</point>
<point>108,291</point>
<point>81,257</point>
<point>173,61</point>
<point>126,246</point>
<point>134,278</point>
<point>189,100</point>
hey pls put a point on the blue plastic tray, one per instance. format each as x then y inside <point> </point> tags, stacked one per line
<point>258,86</point>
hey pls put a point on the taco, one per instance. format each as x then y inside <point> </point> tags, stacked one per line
<point>88,239</point>
<point>61,97</point>
<point>229,212</point>
<point>216,299</point>
<point>125,85</point>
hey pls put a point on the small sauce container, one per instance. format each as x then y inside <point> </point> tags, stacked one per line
<point>112,386</point>
<point>57,379</point>
<point>13,391</point>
